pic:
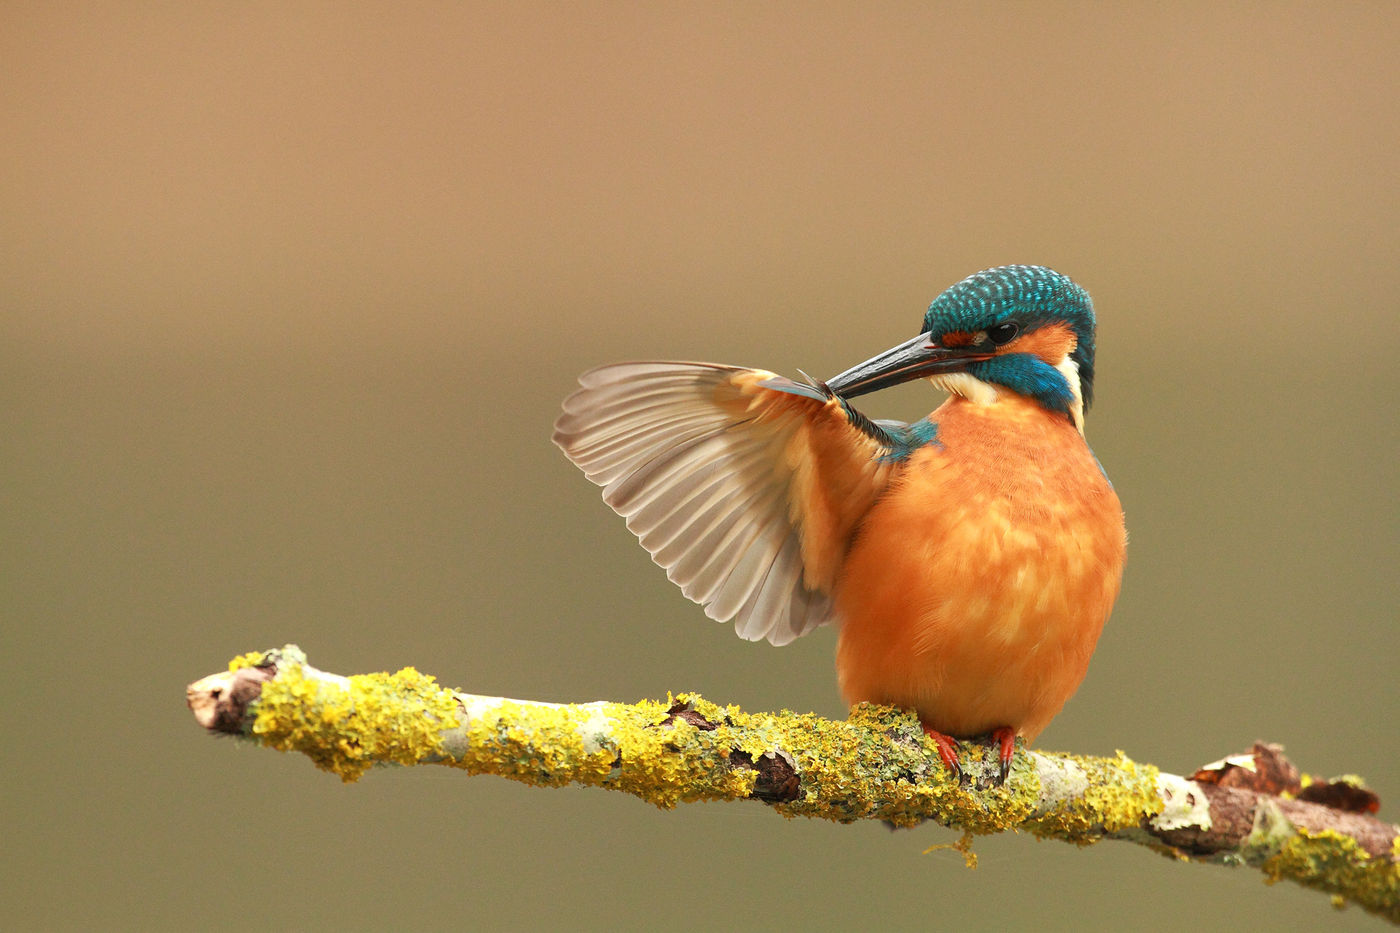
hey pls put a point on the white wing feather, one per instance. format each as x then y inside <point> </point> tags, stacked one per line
<point>705,489</point>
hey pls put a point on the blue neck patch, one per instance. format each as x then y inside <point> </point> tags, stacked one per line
<point>1030,376</point>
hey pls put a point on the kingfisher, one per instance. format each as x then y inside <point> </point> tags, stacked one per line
<point>970,559</point>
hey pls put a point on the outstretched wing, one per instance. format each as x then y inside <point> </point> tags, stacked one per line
<point>745,486</point>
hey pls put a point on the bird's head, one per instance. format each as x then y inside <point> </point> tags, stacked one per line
<point>1026,329</point>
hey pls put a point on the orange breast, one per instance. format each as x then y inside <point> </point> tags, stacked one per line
<point>977,586</point>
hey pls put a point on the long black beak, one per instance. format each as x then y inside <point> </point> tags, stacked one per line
<point>912,359</point>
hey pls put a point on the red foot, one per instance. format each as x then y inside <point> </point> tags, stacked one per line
<point>1006,737</point>
<point>947,750</point>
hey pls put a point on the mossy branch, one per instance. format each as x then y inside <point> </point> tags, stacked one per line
<point>1250,810</point>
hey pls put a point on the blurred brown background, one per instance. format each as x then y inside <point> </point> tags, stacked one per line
<point>291,295</point>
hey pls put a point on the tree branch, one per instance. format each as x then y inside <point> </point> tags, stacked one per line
<point>1251,810</point>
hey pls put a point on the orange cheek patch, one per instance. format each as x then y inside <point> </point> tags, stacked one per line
<point>957,338</point>
<point>1051,343</point>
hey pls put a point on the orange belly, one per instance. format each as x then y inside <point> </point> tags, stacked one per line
<point>977,586</point>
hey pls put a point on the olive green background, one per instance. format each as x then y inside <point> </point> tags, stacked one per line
<point>291,294</point>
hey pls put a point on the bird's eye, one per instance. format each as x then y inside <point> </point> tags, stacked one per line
<point>1003,332</point>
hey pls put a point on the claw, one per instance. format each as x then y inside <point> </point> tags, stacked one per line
<point>948,751</point>
<point>1005,736</point>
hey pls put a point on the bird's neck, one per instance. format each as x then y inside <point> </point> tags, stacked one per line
<point>968,389</point>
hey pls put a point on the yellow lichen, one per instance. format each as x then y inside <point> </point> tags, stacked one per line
<point>963,847</point>
<point>1119,793</point>
<point>348,727</point>
<point>1334,862</point>
<point>876,764</point>
<point>251,659</point>
<point>545,745</point>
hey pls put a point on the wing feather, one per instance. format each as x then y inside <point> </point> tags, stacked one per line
<point>751,562</point>
<point>746,487</point>
<point>703,564</point>
<point>673,467</point>
<point>675,508</point>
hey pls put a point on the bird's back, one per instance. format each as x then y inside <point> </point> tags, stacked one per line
<point>976,587</point>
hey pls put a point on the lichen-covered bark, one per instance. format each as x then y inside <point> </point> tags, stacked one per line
<point>875,765</point>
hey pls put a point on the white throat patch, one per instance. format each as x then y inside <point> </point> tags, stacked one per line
<point>984,393</point>
<point>1070,370</point>
<point>968,386</point>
